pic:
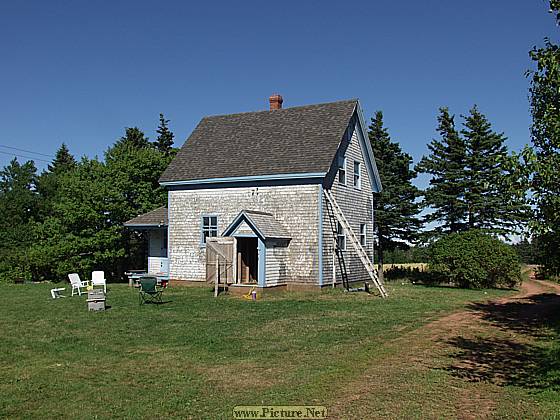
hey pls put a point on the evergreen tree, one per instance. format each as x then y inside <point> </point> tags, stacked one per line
<point>446,164</point>
<point>135,138</point>
<point>490,204</point>
<point>164,141</point>
<point>472,185</point>
<point>396,208</point>
<point>49,181</point>
<point>63,160</point>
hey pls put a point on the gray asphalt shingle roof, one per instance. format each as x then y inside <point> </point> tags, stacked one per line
<point>157,217</point>
<point>265,224</point>
<point>296,140</point>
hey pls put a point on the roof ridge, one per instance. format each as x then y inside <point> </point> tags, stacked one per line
<point>257,212</point>
<point>292,108</point>
<point>157,208</point>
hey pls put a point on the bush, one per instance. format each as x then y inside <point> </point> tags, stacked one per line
<point>13,267</point>
<point>474,259</point>
<point>415,274</point>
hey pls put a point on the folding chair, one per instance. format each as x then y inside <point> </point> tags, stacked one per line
<point>149,292</point>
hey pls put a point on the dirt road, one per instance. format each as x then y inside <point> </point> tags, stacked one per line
<point>482,362</point>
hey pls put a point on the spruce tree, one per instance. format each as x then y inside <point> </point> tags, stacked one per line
<point>134,137</point>
<point>164,141</point>
<point>396,208</point>
<point>490,204</point>
<point>446,164</point>
<point>63,160</point>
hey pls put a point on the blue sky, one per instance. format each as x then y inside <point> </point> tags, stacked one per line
<point>80,71</point>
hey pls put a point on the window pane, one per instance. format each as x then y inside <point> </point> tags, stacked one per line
<point>342,170</point>
<point>363,234</point>
<point>209,227</point>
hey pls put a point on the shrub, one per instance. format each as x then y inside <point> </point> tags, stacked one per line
<point>415,274</point>
<point>13,266</point>
<point>474,259</point>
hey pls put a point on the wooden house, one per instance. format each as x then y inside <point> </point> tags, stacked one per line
<point>276,198</point>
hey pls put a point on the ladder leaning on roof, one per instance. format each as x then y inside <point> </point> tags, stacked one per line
<point>356,243</point>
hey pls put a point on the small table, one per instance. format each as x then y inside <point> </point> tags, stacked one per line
<point>135,276</point>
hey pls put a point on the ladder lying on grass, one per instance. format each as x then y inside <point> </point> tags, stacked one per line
<point>356,243</point>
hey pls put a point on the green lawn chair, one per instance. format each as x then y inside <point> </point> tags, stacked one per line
<point>149,292</point>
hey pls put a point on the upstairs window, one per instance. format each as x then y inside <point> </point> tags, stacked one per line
<point>209,227</point>
<point>357,175</point>
<point>363,234</point>
<point>342,170</point>
<point>340,237</point>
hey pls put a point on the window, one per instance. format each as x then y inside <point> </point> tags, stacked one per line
<point>362,234</point>
<point>209,227</point>
<point>357,175</point>
<point>340,237</point>
<point>342,170</point>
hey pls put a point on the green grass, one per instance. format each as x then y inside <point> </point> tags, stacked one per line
<point>197,356</point>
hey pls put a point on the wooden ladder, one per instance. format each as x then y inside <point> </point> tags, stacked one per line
<point>356,243</point>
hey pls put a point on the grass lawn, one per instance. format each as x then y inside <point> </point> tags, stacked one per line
<point>198,356</point>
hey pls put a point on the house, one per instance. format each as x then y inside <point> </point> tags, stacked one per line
<point>260,185</point>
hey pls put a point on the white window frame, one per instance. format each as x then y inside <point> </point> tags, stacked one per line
<point>342,170</point>
<point>363,234</point>
<point>340,237</point>
<point>211,228</point>
<point>358,175</point>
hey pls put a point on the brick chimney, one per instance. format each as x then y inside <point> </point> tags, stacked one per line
<point>275,102</point>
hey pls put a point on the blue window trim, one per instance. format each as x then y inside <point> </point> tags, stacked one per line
<point>202,243</point>
<point>359,185</point>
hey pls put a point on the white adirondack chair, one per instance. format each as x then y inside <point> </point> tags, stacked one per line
<point>98,279</point>
<point>77,284</point>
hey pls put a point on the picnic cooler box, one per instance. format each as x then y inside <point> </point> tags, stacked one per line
<point>96,300</point>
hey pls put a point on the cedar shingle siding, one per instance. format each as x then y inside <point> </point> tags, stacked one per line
<point>291,217</point>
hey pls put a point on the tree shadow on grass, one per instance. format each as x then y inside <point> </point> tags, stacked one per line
<point>512,361</point>
<point>537,315</point>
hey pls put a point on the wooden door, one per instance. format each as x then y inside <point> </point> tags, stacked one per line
<point>220,260</point>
